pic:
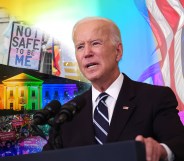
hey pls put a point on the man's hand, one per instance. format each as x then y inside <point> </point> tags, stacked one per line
<point>154,150</point>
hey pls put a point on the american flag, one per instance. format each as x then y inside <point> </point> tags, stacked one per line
<point>166,19</point>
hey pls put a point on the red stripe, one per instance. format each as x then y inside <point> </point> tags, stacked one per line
<point>160,38</point>
<point>169,13</point>
<point>182,3</point>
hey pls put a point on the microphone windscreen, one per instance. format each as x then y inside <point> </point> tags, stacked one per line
<point>69,109</point>
<point>53,107</point>
<point>50,110</point>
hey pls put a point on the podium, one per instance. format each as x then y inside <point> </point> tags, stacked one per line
<point>120,151</point>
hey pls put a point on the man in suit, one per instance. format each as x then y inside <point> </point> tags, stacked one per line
<point>136,110</point>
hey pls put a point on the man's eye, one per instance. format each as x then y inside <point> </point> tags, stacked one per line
<point>96,43</point>
<point>80,47</point>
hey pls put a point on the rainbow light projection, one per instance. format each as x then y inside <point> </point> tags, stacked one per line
<point>22,92</point>
<point>25,92</point>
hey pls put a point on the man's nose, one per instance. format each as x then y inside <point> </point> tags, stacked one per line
<point>88,51</point>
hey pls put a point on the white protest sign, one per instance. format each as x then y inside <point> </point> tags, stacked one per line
<point>25,47</point>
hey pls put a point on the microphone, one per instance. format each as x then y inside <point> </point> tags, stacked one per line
<point>41,117</point>
<point>69,109</point>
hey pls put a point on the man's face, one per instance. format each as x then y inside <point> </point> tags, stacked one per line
<point>95,53</point>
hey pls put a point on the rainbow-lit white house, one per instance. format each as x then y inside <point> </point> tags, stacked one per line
<point>25,92</point>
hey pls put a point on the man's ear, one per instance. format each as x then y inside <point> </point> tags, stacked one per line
<point>119,51</point>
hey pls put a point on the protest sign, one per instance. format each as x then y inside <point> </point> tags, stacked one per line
<point>25,47</point>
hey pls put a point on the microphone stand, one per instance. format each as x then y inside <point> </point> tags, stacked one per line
<point>38,131</point>
<point>54,140</point>
<point>66,114</point>
<point>54,133</point>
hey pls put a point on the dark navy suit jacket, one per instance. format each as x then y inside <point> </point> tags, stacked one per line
<point>141,109</point>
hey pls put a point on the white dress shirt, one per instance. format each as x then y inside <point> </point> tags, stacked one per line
<point>113,92</point>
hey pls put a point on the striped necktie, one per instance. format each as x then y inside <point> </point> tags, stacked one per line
<point>101,119</point>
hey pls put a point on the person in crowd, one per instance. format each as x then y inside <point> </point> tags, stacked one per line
<point>9,149</point>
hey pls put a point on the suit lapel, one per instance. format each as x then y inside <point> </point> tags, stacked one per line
<point>124,108</point>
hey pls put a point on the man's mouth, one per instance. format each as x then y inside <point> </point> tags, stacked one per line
<point>91,65</point>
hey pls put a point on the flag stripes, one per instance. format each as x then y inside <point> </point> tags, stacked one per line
<point>166,19</point>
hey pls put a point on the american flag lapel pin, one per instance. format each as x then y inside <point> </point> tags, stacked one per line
<point>125,107</point>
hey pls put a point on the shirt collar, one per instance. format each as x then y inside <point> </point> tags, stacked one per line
<point>113,90</point>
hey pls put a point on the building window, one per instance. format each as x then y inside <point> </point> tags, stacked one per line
<point>33,93</point>
<point>66,95</point>
<point>21,100</point>
<point>56,95</point>
<point>11,93</point>
<point>47,96</point>
<point>22,93</point>
<point>33,105</point>
<point>11,106</point>
<point>22,108</point>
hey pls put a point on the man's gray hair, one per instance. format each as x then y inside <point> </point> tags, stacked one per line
<point>115,32</point>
